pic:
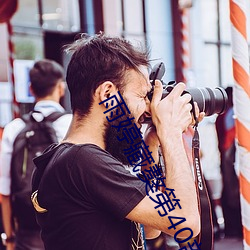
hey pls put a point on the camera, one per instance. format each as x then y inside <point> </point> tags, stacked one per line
<point>210,101</point>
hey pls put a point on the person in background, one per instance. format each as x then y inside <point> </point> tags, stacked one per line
<point>47,86</point>
<point>210,162</point>
<point>225,126</point>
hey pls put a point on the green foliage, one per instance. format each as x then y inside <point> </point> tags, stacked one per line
<point>25,49</point>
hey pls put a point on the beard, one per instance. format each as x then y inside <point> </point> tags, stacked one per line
<point>113,145</point>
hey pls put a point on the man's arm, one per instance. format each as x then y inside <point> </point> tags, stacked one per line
<point>151,140</point>
<point>171,116</point>
<point>9,134</point>
<point>7,220</point>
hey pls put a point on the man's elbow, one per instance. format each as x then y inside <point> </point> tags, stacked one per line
<point>194,224</point>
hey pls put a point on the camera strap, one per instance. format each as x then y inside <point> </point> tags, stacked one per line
<point>206,235</point>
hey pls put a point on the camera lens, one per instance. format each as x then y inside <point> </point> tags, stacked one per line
<point>210,101</point>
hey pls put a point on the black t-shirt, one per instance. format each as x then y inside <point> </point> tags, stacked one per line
<point>88,194</point>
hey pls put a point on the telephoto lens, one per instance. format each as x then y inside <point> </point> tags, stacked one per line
<point>210,101</point>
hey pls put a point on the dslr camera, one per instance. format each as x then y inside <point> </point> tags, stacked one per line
<point>210,101</point>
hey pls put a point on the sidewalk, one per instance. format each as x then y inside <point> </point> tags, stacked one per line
<point>228,244</point>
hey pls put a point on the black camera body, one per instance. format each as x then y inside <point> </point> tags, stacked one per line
<point>210,101</point>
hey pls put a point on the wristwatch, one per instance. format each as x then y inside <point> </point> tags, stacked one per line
<point>6,239</point>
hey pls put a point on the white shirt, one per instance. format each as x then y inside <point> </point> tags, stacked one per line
<point>210,160</point>
<point>11,131</point>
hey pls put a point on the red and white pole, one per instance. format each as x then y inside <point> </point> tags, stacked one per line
<point>15,105</point>
<point>185,55</point>
<point>241,95</point>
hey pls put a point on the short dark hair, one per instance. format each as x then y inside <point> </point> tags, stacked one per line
<point>97,59</point>
<point>44,76</point>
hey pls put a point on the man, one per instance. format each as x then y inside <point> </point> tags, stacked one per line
<point>48,87</point>
<point>225,125</point>
<point>87,198</point>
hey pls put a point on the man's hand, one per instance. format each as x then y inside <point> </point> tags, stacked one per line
<point>199,115</point>
<point>171,115</point>
<point>150,136</point>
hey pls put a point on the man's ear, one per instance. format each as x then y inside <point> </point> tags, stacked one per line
<point>31,90</point>
<point>106,90</point>
<point>62,88</point>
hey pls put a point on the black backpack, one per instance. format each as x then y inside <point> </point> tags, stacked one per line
<point>37,135</point>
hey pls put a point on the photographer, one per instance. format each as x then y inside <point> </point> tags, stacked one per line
<point>86,198</point>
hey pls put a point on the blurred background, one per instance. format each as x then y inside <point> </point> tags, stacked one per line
<point>192,38</point>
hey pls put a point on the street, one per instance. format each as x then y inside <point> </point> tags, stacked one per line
<point>228,244</point>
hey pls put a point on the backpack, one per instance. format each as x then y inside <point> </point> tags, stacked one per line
<point>37,135</point>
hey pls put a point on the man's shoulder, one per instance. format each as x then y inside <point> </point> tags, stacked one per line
<point>63,121</point>
<point>13,128</point>
<point>64,117</point>
<point>75,158</point>
<point>93,155</point>
<point>18,122</point>
<point>80,151</point>
<point>84,157</point>
<point>92,151</point>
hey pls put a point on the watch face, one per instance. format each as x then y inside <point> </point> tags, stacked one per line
<point>3,237</point>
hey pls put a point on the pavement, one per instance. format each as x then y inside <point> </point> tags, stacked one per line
<point>228,244</point>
